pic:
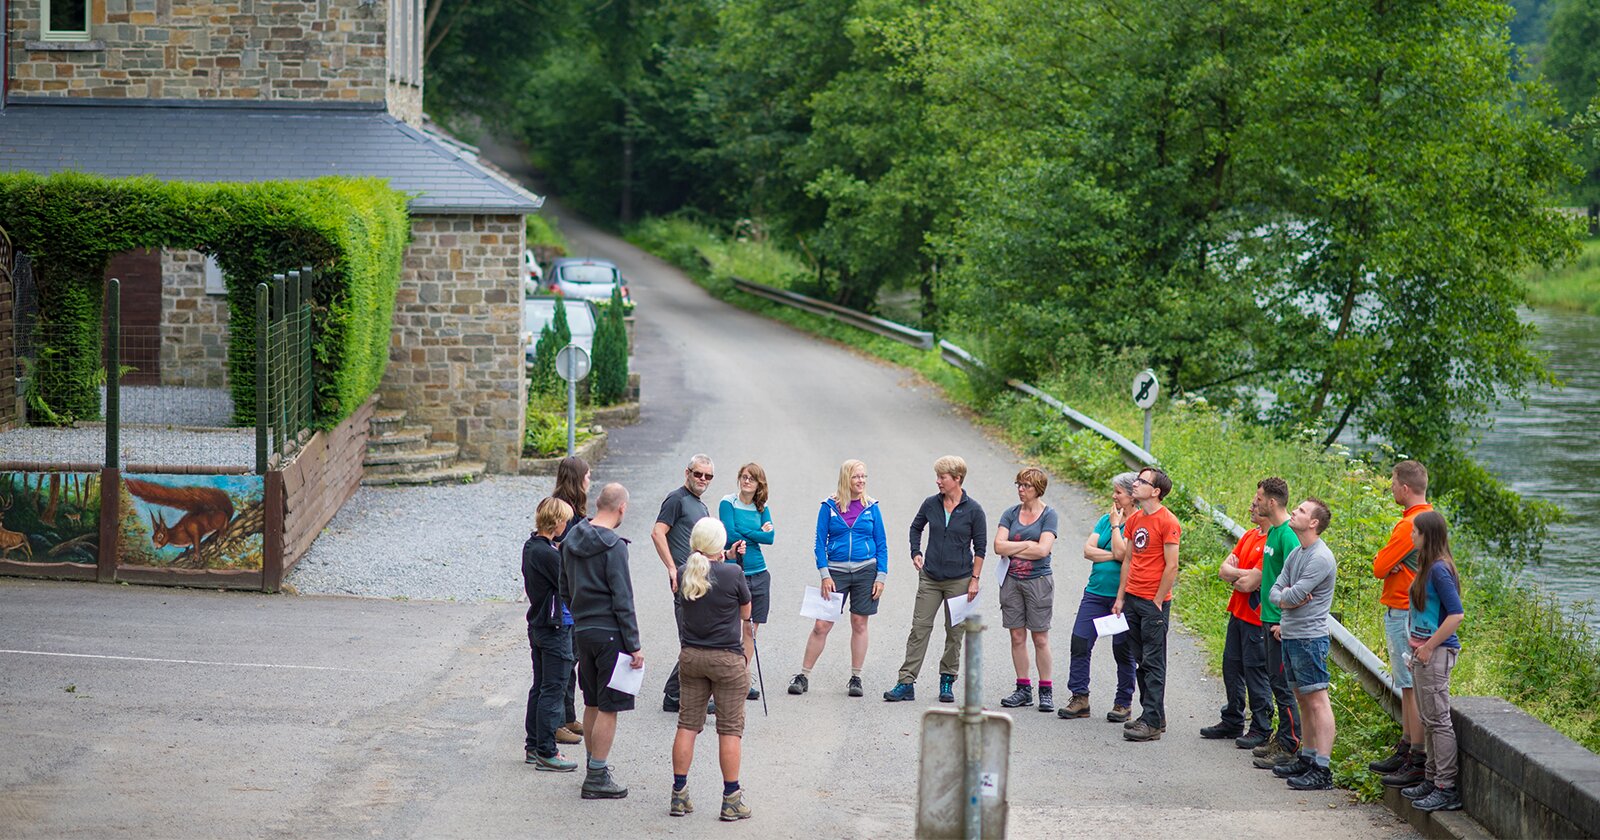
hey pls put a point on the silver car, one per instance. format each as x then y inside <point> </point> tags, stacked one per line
<point>587,278</point>
<point>537,312</point>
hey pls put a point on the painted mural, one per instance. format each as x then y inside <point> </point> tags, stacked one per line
<point>50,517</point>
<point>192,521</point>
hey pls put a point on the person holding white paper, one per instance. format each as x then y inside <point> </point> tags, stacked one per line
<point>1144,596</point>
<point>1024,540</point>
<point>713,604</point>
<point>852,557</point>
<point>1105,574</point>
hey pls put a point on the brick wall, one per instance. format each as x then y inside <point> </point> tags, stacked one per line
<point>194,325</point>
<point>455,354</point>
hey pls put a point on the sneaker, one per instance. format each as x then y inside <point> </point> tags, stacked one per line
<point>755,694</point>
<point>1219,731</point>
<point>1316,778</point>
<point>681,803</point>
<point>1047,699</point>
<point>1395,761</point>
<point>854,689</point>
<point>567,736</point>
<point>1077,707</point>
<point>901,691</point>
<point>1251,740</point>
<point>1141,731</point>
<point>1441,799</point>
<point>1299,766</point>
<point>573,726</point>
<point>733,807</point>
<point>1414,771</point>
<point>947,688</point>
<point>1023,696</point>
<point>554,763</point>
<point>799,685</point>
<point>1118,714</point>
<point>669,702</point>
<point>600,784</point>
<point>1273,755</point>
<point>1420,790</point>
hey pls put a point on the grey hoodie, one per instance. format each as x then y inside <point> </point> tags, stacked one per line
<point>596,584</point>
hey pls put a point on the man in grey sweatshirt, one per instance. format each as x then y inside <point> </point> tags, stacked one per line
<point>1304,593</point>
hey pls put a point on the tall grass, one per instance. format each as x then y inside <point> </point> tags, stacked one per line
<point>1574,286</point>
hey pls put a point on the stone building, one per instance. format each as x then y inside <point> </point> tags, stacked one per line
<point>235,90</point>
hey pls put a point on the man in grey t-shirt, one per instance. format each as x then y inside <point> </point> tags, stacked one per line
<point>680,510</point>
<point>1304,593</point>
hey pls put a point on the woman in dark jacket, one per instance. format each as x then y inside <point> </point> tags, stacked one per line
<point>549,636</point>
<point>572,486</point>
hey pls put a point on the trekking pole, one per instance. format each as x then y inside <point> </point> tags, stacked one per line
<point>761,684</point>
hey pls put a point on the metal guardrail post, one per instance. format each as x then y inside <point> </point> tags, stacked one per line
<point>113,372</point>
<point>261,378</point>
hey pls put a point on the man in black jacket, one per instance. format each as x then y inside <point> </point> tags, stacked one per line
<point>550,637</point>
<point>956,542</point>
<point>599,592</point>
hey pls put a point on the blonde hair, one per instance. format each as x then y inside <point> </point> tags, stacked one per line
<point>707,537</point>
<point>953,466</point>
<point>551,514</point>
<point>843,495</point>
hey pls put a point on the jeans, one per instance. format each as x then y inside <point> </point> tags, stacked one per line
<point>1288,707</point>
<point>1147,627</point>
<point>1244,674</point>
<point>552,667</point>
<point>1083,638</point>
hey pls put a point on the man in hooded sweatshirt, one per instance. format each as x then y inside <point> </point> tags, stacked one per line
<point>599,594</point>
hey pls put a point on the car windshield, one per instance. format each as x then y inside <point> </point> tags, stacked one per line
<point>588,274</point>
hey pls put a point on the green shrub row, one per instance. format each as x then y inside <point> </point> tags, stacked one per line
<point>352,231</point>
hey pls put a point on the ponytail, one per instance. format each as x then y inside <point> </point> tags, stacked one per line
<point>708,536</point>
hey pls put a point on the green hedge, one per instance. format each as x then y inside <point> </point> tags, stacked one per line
<point>352,231</point>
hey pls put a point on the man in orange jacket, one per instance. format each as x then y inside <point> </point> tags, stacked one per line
<point>1396,566</point>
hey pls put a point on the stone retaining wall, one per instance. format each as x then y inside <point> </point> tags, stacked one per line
<point>1521,778</point>
<point>194,324</point>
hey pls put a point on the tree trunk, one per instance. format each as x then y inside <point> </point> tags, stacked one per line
<point>1594,219</point>
<point>49,515</point>
<point>930,304</point>
<point>1345,310</point>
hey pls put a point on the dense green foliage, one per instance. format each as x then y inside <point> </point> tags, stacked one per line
<point>543,233</point>
<point>610,383</point>
<point>543,379</point>
<point>1572,63</point>
<point>353,232</point>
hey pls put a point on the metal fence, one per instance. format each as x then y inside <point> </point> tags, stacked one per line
<point>285,388</point>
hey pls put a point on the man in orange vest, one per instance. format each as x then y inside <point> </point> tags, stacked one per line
<point>1396,566</point>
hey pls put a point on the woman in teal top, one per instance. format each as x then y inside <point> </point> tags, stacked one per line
<point>748,521</point>
<point>1105,575</point>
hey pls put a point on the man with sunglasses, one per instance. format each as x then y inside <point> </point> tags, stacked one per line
<point>682,508</point>
<point>1149,555</point>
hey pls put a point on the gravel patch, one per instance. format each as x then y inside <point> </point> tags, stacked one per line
<point>139,445</point>
<point>455,542</point>
<point>173,406</point>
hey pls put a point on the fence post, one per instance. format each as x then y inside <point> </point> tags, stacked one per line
<point>113,372</point>
<point>291,354</point>
<point>308,276</point>
<point>261,379</point>
<point>280,416</point>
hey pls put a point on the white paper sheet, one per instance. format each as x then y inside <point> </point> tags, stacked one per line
<point>626,678</point>
<point>1110,625</point>
<point>1005,569</point>
<point>960,608</point>
<point>822,609</point>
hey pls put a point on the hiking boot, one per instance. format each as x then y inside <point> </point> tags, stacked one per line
<point>1395,761</point>
<point>681,803</point>
<point>1047,699</point>
<point>755,694</point>
<point>1414,771</point>
<point>554,763</point>
<point>901,691</point>
<point>599,784</point>
<point>1023,696</point>
<point>1118,714</point>
<point>1266,746</point>
<point>1251,740</point>
<point>733,807</point>
<point>947,688</point>
<point>567,736</point>
<point>573,726</point>
<point>799,685</point>
<point>854,689</point>
<point>669,702</point>
<point>1420,790</point>
<point>1219,731</point>
<point>1299,766</point>
<point>1275,753</point>
<point>1132,723</point>
<point>1077,707</point>
<point>1441,799</point>
<point>1141,731</point>
<point>1316,778</point>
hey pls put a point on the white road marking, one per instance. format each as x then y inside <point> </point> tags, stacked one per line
<point>193,661</point>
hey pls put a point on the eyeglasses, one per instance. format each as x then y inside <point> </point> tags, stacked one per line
<point>1142,481</point>
<point>747,477</point>
<point>703,476</point>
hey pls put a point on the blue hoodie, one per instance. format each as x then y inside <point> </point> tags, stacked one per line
<point>847,548</point>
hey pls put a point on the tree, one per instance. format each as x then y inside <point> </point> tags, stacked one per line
<point>1572,64</point>
<point>611,353</point>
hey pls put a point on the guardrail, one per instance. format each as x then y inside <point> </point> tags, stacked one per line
<point>920,339</point>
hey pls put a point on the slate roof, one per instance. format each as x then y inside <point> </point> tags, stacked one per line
<point>184,141</point>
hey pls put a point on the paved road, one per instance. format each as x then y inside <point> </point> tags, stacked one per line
<point>404,718</point>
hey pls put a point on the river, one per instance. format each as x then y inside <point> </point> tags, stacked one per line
<point>1550,449</point>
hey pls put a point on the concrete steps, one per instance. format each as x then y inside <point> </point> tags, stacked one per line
<point>463,472</point>
<point>398,454</point>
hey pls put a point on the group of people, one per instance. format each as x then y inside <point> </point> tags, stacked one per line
<point>581,617</point>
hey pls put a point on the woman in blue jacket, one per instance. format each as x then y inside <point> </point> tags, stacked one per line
<point>852,557</point>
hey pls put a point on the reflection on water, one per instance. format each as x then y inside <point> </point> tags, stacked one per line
<point>1551,449</point>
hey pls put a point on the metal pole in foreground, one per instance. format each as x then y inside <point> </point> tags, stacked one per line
<point>759,681</point>
<point>972,726</point>
<point>1147,430</point>
<point>572,404</point>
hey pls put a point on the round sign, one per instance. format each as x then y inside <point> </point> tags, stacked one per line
<point>572,363</point>
<point>1145,389</point>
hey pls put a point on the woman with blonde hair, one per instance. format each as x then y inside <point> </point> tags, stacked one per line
<point>712,599</point>
<point>853,557</point>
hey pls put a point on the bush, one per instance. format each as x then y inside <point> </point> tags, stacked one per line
<point>610,368</point>
<point>545,434</point>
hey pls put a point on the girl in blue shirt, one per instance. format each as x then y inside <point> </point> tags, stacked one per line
<point>1435,614</point>
<point>748,521</point>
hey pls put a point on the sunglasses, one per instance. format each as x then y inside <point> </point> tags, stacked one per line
<point>703,476</point>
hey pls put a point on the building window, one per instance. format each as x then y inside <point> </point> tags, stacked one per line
<point>66,20</point>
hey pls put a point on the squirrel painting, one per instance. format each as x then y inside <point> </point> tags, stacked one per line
<point>206,512</point>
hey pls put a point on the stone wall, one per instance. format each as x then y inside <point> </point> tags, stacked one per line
<point>455,354</point>
<point>194,325</point>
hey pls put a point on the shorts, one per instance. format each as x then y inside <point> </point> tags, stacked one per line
<point>760,585</point>
<point>597,651</point>
<point>1306,663</point>
<point>1397,632</point>
<point>1027,603</point>
<point>857,589</point>
<point>704,673</point>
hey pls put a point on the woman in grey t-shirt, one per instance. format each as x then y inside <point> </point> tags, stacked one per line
<point>1025,536</point>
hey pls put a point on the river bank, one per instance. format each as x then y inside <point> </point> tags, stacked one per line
<point>1574,287</point>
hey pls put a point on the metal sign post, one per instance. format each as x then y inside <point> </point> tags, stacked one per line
<point>964,760</point>
<point>1145,390</point>
<point>572,364</point>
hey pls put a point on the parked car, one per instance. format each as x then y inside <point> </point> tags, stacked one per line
<point>532,274</point>
<point>587,278</point>
<point>537,312</point>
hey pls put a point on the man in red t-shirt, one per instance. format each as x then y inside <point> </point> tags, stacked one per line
<point>1244,652</point>
<point>1149,555</point>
